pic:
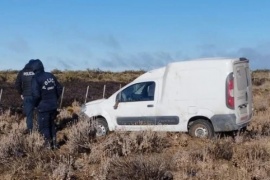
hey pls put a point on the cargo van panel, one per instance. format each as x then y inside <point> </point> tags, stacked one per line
<point>242,92</point>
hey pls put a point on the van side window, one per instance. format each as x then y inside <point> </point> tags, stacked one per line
<point>241,76</point>
<point>144,91</point>
<point>248,77</point>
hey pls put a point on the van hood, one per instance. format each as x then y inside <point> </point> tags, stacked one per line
<point>98,101</point>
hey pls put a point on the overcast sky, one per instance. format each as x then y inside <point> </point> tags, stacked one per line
<point>121,35</point>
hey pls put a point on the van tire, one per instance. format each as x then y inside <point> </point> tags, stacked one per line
<point>101,127</point>
<point>201,129</point>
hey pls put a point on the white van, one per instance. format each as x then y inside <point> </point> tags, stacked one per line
<point>200,96</point>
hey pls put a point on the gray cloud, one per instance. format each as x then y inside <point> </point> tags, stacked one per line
<point>141,60</point>
<point>258,60</point>
<point>107,40</point>
<point>59,63</point>
<point>65,64</point>
<point>18,45</point>
<point>79,50</point>
<point>83,36</point>
<point>259,56</point>
<point>209,50</point>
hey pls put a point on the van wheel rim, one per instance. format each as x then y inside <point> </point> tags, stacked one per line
<point>201,132</point>
<point>101,130</point>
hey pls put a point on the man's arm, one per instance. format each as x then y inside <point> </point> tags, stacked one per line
<point>59,87</point>
<point>36,91</point>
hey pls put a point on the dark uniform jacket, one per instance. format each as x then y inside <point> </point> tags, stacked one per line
<point>23,80</point>
<point>45,88</point>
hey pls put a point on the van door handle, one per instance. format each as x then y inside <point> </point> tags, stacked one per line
<point>150,105</point>
<point>242,106</point>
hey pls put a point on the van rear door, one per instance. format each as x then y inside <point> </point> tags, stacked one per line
<point>242,91</point>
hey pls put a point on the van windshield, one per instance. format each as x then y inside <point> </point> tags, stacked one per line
<point>241,76</point>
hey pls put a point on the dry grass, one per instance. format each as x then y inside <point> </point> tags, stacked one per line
<point>87,75</point>
<point>137,155</point>
<point>139,168</point>
<point>80,136</point>
<point>124,144</point>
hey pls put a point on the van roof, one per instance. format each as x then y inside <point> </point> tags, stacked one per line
<point>191,64</point>
<point>154,74</point>
<point>204,62</point>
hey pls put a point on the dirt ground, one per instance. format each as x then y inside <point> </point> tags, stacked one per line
<point>74,91</point>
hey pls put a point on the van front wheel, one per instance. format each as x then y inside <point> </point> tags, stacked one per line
<point>101,127</point>
<point>201,129</point>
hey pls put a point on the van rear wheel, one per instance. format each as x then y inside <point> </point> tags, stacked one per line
<point>101,127</point>
<point>201,129</point>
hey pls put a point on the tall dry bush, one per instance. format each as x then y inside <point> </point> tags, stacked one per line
<point>68,115</point>
<point>69,111</point>
<point>254,157</point>
<point>260,125</point>
<point>255,150</point>
<point>260,103</point>
<point>208,160</point>
<point>193,163</point>
<point>63,168</point>
<point>16,145</point>
<point>80,136</point>
<point>121,144</point>
<point>4,127</point>
<point>154,167</point>
<point>8,76</point>
<point>11,123</point>
<point>9,117</point>
<point>222,149</point>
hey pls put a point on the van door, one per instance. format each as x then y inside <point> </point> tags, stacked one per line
<point>242,91</point>
<point>136,108</point>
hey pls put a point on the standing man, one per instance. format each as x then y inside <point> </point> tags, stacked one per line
<point>46,91</point>
<point>23,86</point>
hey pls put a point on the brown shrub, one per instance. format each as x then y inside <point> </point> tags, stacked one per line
<point>9,117</point>
<point>63,168</point>
<point>250,153</point>
<point>222,149</point>
<point>123,144</point>
<point>16,145</point>
<point>260,103</point>
<point>139,168</point>
<point>80,136</point>
<point>191,163</point>
<point>260,125</point>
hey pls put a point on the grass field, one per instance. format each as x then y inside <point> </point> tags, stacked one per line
<point>134,155</point>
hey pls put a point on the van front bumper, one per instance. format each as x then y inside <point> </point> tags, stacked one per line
<point>226,122</point>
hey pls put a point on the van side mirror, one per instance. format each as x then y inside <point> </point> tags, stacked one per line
<point>116,104</point>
